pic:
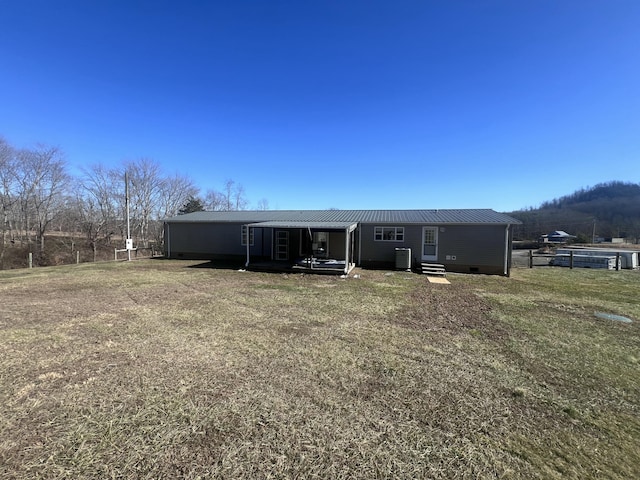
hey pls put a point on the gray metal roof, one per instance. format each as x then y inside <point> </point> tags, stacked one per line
<point>439,217</point>
<point>328,225</point>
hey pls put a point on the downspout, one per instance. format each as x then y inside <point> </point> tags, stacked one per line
<point>346,251</point>
<point>359,232</point>
<point>309,252</point>
<point>168,236</point>
<point>506,251</point>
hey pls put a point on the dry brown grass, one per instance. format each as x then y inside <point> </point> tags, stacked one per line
<point>152,369</point>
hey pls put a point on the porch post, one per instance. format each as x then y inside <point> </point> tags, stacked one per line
<point>309,252</point>
<point>358,231</point>
<point>246,265</point>
<point>346,250</point>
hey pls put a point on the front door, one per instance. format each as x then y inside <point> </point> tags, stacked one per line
<point>282,245</point>
<point>429,244</point>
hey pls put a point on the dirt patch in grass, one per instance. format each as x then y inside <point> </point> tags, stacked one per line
<point>452,310</point>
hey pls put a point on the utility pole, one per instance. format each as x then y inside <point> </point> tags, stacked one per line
<point>128,242</point>
<point>593,235</point>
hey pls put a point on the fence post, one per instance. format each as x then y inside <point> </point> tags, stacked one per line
<point>530,258</point>
<point>618,262</point>
<point>30,260</point>
<point>115,254</point>
<point>571,259</point>
<point>77,257</point>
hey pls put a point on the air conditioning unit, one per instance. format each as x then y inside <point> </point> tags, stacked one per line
<point>403,259</point>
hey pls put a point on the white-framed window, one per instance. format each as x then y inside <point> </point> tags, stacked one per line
<point>388,234</point>
<point>243,236</point>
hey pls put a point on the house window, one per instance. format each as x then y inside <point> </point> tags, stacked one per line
<point>389,234</point>
<point>243,238</point>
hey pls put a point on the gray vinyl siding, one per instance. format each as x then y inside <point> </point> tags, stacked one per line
<point>207,240</point>
<point>336,245</point>
<point>476,248</point>
<point>381,253</point>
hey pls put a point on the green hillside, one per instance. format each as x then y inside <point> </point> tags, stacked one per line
<point>609,209</point>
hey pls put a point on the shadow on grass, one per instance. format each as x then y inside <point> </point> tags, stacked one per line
<point>213,264</point>
<point>219,265</point>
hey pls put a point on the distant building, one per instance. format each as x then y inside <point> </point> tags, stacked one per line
<point>557,236</point>
<point>611,240</point>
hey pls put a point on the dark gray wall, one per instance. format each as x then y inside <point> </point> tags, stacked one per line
<point>207,240</point>
<point>461,248</point>
<point>473,248</point>
<point>336,245</point>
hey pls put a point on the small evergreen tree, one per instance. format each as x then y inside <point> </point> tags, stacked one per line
<point>194,204</point>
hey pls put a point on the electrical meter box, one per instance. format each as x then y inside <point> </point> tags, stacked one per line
<point>129,244</point>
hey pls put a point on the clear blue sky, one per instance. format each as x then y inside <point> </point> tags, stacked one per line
<point>345,104</point>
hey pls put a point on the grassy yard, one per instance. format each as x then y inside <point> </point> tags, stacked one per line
<point>166,369</point>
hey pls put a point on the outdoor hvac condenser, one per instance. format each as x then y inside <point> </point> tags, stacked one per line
<point>403,259</point>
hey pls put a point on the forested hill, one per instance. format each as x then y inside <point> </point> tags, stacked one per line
<point>613,208</point>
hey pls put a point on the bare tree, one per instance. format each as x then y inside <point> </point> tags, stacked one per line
<point>145,193</point>
<point>98,204</point>
<point>214,201</point>
<point>92,221</point>
<point>42,179</point>
<point>229,188</point>
<point>175,191</point>
<point>100,185</point>
<point>232,197</point>
<point>240,201</point>
<point>7,195</point>
<point>263,204</point>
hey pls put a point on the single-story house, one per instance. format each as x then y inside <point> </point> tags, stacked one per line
<point>557,236</point>
<point>468,240</point>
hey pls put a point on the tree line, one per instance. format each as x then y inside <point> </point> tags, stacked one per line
<point>38,196</point>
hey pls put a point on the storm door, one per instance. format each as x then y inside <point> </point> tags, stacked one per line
<point>429,244</point>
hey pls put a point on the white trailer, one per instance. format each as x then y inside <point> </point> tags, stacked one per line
<point>629,259</point>
<point>585,261</point>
